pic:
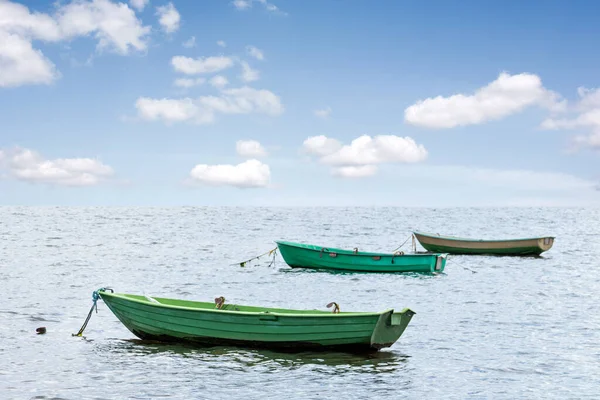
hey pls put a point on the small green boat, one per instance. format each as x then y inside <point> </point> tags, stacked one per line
<point>512,247</point>
<point>219,323</point>
<point>298,255</point>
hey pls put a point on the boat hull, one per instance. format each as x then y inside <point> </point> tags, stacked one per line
<point>298,255</point>
<point>515,247</point>
<point>170,320</point>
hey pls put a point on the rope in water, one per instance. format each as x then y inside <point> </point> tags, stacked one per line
<point>268,253</point>
<point>95,298</point>
<point>460,265</point>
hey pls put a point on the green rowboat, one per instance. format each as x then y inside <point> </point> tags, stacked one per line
<point>298,255</point>
<point>219,323</point>
<point>513,247</point>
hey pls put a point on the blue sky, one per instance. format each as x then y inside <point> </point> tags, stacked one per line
<point>427,103</point>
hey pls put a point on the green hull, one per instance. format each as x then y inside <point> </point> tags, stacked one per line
<point>298,255</point>
<point>512,247</point>
<point>201,323</point>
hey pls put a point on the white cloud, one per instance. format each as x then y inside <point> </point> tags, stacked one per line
<point>191,42</point>
<point>361,171</point>
<point>324,113</point>
<point>202,110</point>
<point>509,94</point>
<point>139,4</point>
<point>202,65</point>
<point>249,174</point>
<point>249,74</point>
<point>221,43</point>
<point>219,81</point>
<point>366,150</point>
<point>21,64</point>
<point>271,7</point>
<point>173,110</point>
<point>586,117</point>
<point>168,17</point>
<point>360,157</point>
<point>188,82</point>
<point>114,25</point>
<point>321,145</point>
<point>242,4</point>
<point>247,4</point>
<point>250,148</point>
<point>28,165</point>
<point>255,52</point>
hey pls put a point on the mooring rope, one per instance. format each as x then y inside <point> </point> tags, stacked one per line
<point>95,298</point>
<point>460,265</point>
<point>399,247</point>
<point>268,253</point>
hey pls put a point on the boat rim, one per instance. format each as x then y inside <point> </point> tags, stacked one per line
<point>436,236</point>
<point>352,253</point>
<point>279,314</point>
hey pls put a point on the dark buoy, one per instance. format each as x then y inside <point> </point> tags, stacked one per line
<point>41,330</point>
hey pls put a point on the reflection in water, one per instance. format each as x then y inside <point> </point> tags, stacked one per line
<point>265,360</point>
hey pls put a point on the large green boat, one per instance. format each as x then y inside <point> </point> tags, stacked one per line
<point>507,247</point>
<point>298,255</point>
<point>220,323</point>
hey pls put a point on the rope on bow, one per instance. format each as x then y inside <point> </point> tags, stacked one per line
<point>95,298</point>
<point>268,254</point>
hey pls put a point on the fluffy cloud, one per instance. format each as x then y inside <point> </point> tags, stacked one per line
<point>247,4</point>
<point>168,18</point>
<point>202,110</point>
<point>219,81</point>
<point>188,82</point>
<point>321,145</point>
<point>324,113</point>
<point>250,148</point>
<point>202,65</point>
<point>366,150</point>
<point>255,52</point>
<point>221,43</point>
<point>242,4</point>
<point>586,117</point>
<point>114,25</point>
<point>139,4</point>
<point>173,110</point>
<point>21,64</point>
<point>191,42</point>
<point>509,94</point>
<point>361,171</point>
<point>360,157</point>
<point>249,174</point>
<point>249,74</point>
<point>28,165</point>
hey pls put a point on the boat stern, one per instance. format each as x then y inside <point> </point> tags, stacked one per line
<point>440,262</point>
<point>390,327</point>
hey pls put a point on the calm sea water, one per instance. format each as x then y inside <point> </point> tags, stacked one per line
<point>488,328</point>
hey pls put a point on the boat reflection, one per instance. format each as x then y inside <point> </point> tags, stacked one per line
<point>376,362</point>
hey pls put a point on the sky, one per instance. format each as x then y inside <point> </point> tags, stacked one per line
<point>299,103</point>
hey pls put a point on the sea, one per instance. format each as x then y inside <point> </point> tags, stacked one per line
<point>486,328</point>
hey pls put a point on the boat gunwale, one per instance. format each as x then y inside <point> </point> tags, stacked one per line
<point>352,253</point>
<point>325,314</point>
<point>470,240</point>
